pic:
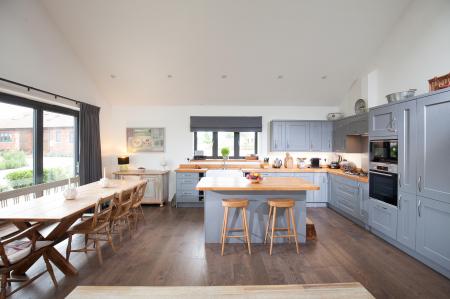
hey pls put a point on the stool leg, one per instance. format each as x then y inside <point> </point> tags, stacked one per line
<point>274,220</point>
<point>224,228</point>
<point>295,229</point>
<point>288,222</point>
<point>268,224</point>
<point>247,236</point>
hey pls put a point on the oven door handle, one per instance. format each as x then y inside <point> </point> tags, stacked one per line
<point>381,173</point>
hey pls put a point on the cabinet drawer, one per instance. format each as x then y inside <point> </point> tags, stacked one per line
<point>186,198</point>
<point>383,218</point>
<point>187,175</point>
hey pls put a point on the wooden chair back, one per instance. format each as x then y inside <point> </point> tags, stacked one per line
<point>29,233</point>
<point>139,196</point>
<point>102,211</point>
<point>125,200</point>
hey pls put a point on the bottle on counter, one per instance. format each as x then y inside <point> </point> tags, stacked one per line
<point>288,161</point>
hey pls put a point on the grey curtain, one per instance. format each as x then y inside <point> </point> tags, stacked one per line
<point>90,150</point>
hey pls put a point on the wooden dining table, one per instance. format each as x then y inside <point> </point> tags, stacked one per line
<point>55,209</point>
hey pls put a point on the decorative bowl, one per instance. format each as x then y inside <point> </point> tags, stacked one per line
<point>104,182</point>
<point>256,181</point>
<point>70,193</point>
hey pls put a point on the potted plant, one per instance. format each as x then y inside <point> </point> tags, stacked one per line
<point>225,151</point>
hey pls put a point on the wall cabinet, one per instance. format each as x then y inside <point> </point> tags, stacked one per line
<point>383,217</point>
<point>383,121</point>
<point>433,237</point>
<point>433,141</point>
<point>406,223</point>
<point>301,136</point>
<point>347,134</point>
<point>407,147</point>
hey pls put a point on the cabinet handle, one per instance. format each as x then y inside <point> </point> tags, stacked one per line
<point>384,208</point>
<point>419,183</point>
<point>419,208</point>
<point>400,179</point>
<point>393,124</point>
<point>399,202</point>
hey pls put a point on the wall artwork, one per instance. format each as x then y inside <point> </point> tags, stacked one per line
<point>145,140</point>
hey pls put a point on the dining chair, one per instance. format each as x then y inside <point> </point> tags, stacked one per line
<point>121,212</point>
<point>17,250</point>
<point>136,207</point>
<point>95,228</point>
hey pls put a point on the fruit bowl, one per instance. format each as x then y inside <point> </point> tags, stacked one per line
<point>254,178</point>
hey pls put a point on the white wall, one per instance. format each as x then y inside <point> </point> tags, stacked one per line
<point>179,140</point>
<point>417,49</point>
<point>34,52</point>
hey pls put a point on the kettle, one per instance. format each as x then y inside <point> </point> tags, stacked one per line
<point>277,163</point>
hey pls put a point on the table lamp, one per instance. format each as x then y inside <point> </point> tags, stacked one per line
<point>123,162</point>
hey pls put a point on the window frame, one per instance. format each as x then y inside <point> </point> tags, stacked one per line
<point>38,131</point>
<point>215,149</point>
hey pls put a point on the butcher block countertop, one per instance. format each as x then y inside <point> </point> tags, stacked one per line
<point>141,172</point>
<point>339,172</point>
<point>243,184</point>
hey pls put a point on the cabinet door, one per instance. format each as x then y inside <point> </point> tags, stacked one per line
<point>315,136</point>
<point>364,202</point>
<point>297,136</point>
<point>339,136</point>
<point>383,218</point>
<point>383,121</point>
<point>433,146</point>
<point>407,147</point>
<point>277,136</point>
<point>347,196</point>
<point>327,136</point>
<point>332,191</point>
<point>433,237</point>
<point>321,179</point>
<point>406,224</point>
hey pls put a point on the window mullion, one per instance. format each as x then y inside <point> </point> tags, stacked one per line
<point>236,145</point>
<point>215,145</point>
<point>38,146</point>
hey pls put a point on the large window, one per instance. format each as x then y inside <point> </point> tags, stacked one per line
<point>240,144</point>
<point>38,142</point>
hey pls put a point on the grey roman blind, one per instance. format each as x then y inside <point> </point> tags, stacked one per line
<point>226,123</point>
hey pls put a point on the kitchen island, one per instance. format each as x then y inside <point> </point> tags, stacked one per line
<point>218,188</point>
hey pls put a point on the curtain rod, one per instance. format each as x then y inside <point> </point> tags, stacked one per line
<point>40,90</point>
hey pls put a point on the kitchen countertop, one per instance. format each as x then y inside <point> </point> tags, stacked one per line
<point>141,172</point>
<point>339,172</point>
<point>243,184</point>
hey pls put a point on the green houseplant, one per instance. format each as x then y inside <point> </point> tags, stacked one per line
<point>225,151</point>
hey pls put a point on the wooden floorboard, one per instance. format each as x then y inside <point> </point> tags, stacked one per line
<point>169,251</point>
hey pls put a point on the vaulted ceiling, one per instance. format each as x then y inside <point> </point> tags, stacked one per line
<point>225,52</point>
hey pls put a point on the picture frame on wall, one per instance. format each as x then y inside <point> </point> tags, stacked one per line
<point>146,140</point>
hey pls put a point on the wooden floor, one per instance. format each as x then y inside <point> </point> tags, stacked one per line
<point>169,250</point>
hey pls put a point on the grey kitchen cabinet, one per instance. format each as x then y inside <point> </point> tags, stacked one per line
<point>347,134</point>
<point>327,136</point>
<point>383,121</point>
<point>383,217</point>
<point>407,147</point>
<point>186,195</point>
<point>277,136</point>
<point>433,139</point>
<point>321,179</point>
<point>406,223</point>
<point>332,190</point>
<point>297,136</point>
<point>363,191</point>
<point>315,136</point>
<point>432,234</point>
<point>339,136</point>
<point>347,196</point>
<point>357,124</point>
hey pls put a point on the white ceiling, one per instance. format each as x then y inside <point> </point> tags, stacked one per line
<point>251,42</point>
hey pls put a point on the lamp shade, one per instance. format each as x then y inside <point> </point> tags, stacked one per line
<point>123,160</point>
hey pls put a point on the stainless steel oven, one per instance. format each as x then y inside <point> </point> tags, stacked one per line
<point>383,182</point>
<point>384,151</point>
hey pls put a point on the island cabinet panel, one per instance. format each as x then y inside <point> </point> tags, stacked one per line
<point>383,218</point>
<point>309,177</point>
<point>315,136</point>
<point>383,121</point>
<point>277,136</point>
<point>407,147</point>
<point>406,223</point>
<point>433,237</point>
<point>327,136</point>
<point>297,136</point>
<point>433,146</point>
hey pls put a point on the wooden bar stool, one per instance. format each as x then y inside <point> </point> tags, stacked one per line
<point>238,204</point>
<point>287,204</point>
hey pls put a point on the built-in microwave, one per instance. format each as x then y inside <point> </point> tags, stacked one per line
<point>384,151</point>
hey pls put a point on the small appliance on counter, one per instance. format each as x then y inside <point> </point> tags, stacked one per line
<point>199,155</point>
<point>277,163</point>
<point>336,164</point>
<point>301,162</point>
<point>315,162</point>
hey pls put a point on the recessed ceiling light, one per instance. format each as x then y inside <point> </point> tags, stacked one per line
<point>323,77</point>
<point>113,76</point>
<point>224,76</point>
<point>169,76</point>
<point>280,77</point>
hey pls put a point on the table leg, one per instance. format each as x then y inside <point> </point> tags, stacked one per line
<point>24,268</point>
<point>66,267</point>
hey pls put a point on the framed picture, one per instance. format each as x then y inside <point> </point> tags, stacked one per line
<point>146,140</point>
